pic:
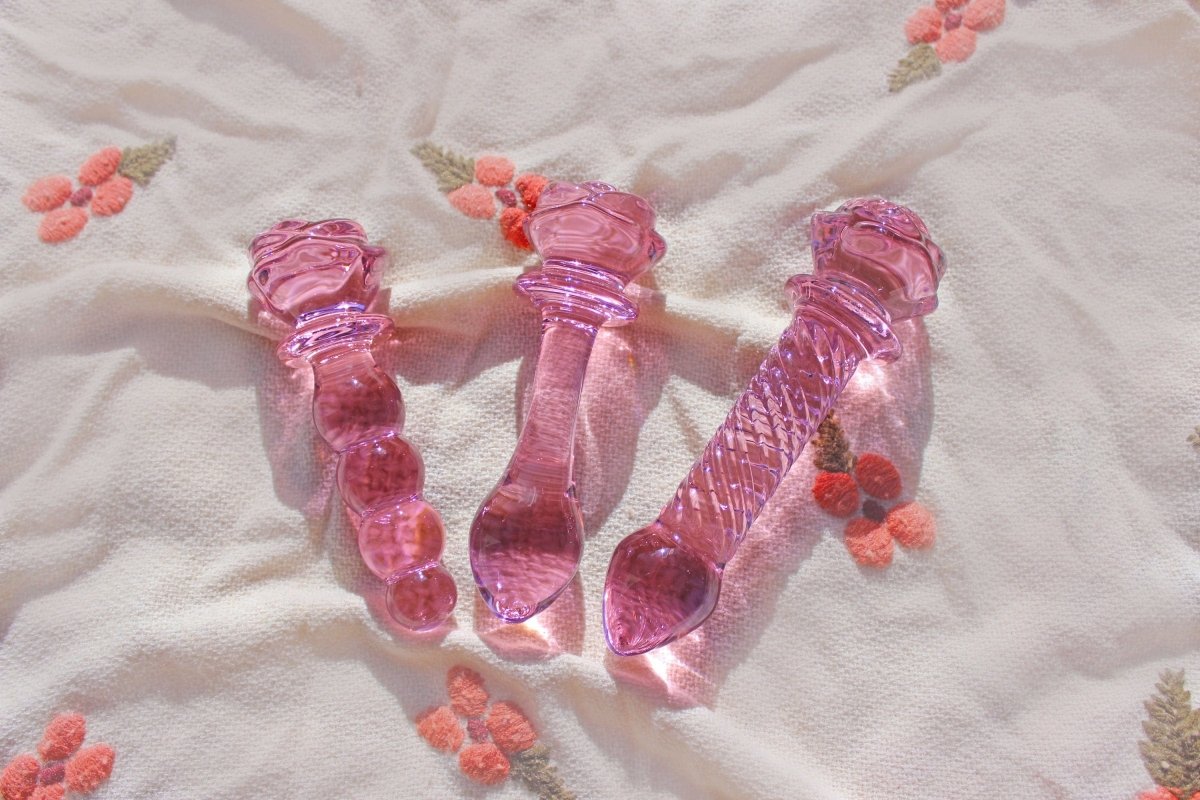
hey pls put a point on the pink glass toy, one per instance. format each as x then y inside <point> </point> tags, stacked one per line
<point>527,538</point>
<point>874,264</point>
<point>320,278</point>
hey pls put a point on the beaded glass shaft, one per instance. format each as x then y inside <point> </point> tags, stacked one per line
<point>319,278</point>
<point>874,264</point>
<point>527,539</point>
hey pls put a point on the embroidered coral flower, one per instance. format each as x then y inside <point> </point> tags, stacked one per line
<point>530,186</point>
<point>503,740</point>
<point>868,538</point>
<point>474,201</point>
<point>950,28</point>
<point>64,766</point>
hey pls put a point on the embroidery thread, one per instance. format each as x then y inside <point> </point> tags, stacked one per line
<point>503,741</point>
<point>475,185</point>
<point>105,186</point>
<point>942,33</point>
<point>63,767</point>
<point>868,538</point>
<point>1171,750</point>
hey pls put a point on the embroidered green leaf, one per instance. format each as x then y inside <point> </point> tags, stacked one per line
<point>534,768</point>
<point>1172,749</point>
<point>833,453</point>
<point>450,169</point>
<point>140,163</point>
<point>1194,437</point>
<point>920,64</point>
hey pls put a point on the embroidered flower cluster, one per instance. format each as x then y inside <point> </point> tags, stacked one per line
<point>838,489</point>
<point>502,739</point>
<point>106,182</point>
<point>943,32</point>
<point>476,187</point>
<point>63,767</point>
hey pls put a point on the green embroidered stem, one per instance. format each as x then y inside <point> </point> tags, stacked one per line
<point>140,163</point>
<point>450,169</point>
<point>920,64</point>
<point>534,768</point>
<point>1172,752</point>
<point>833,453</point>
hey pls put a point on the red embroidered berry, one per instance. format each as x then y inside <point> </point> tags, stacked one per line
<point>507,196</point>
<point>90,768</point>
<point>531,186</point>
<point>512,225</point>
<point>868,542</point>
<point>100,166</point>
<point>493,170</point>
<point>47,194</point>
<point>874,510</point>
<point>111,196</point>
<point>912,525</point>
<point>836,493</point>
<point>953,20</point>
<point>925,25</point>
<point>483,763</point>
<point>51,774</point>
<point>19,778</point>
<point>473,200</point>
<point>468,696</point>
<point>510,729</point>
<point>878,476</point>
<point>440,728</point>
<point>81,196</point>
<point>62,224</point>
<point>477,729</point>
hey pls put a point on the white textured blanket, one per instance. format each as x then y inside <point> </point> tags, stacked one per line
<point>175,566</point>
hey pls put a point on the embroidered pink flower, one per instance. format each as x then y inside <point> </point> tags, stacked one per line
<point>474,186</point>
<point>868,538</point>
<point>64,766</point>
<point>101,188</point>
<point>952,29</point>
<point>503,740</point>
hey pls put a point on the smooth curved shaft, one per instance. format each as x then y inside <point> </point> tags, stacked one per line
<point>527,539</point>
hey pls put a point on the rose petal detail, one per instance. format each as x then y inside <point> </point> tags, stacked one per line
<point>869,543</point>
<point>956,45</point>
<point>100,166</point>
<point>512,225</point>
<point>62,224</point>
<point>90,768</point>
<point>925,25</point>
<point>473,200</point>
<point>494,170</point>
<point>912,525</point>
<point>19,778</point>
<point>440,728</point>
<point>983,15</point>
<point>111,196</point>
<point>836,493</point>
<point>483,763</point>
<point>63,737</point>
<point>510,728</point>
<point>468,696</point>
<point>47,194</point>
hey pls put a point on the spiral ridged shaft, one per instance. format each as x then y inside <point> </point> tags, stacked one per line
<point>762,437</point>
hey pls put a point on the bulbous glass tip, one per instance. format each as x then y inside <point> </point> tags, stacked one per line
<point>656,591</point>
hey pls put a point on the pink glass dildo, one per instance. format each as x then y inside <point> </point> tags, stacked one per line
<point>320,278</point>
<point>527,538</point>
<point>874,264</point>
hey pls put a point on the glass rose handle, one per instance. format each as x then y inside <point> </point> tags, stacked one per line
<point>874,263</point>
<point>527,538</point>
<point>320,278</point>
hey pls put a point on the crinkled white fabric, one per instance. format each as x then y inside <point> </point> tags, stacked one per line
<point>175,565</point>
